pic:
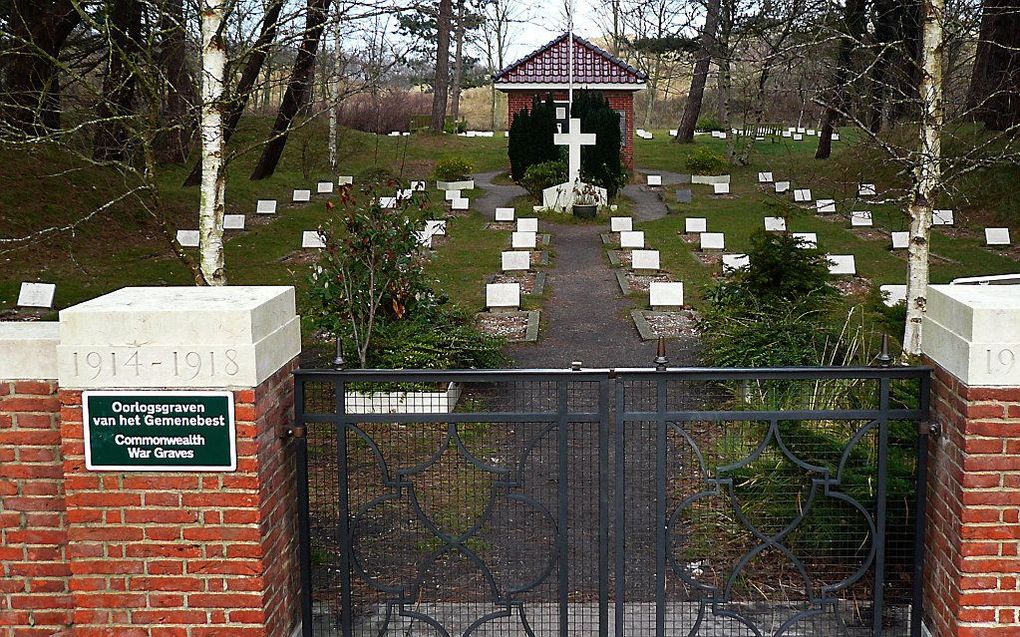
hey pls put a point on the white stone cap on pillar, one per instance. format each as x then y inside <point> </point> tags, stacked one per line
<point>973,332</point>
<point>28,350</point>
<point>178,337</point>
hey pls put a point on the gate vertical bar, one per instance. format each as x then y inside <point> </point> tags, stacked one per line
<point>603,508</point>
<point>880,508</point>
<point>660,507</point>
<point>920,512</point>
<point>619,447</point>
<point>304,533</point>
<point>564,505</point>
<point>344,530</point>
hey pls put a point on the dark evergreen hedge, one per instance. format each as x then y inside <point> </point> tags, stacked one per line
<point>531,137</point>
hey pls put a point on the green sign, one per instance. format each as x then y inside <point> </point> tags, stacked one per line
<point>159,431</point>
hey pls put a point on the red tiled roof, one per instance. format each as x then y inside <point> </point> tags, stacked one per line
<point>550,65</point>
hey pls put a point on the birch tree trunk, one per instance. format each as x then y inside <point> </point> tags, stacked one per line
<point>334,98</point>
<point>927,174</point>
<point>210,215</point>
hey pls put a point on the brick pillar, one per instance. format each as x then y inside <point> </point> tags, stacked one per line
<point>972,570</point>
<point>187,553</point>
<point>35,599</point>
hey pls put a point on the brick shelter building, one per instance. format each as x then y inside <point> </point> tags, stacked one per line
<point>547,71</point>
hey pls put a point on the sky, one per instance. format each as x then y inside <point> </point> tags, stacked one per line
<point>547,22</point>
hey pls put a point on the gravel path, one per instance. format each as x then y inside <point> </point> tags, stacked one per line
<point>496,195</point>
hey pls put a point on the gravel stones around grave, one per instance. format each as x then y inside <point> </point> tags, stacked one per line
<point>853,286</point>
<point>515,327</point>
<point>652,325</point>
<point>630,282</point>
<point>531,282</point>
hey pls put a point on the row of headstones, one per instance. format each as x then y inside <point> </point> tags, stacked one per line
<point>523,240</point>
<point>797,134</point>
<point>662,295</point>
<point>720,185</point>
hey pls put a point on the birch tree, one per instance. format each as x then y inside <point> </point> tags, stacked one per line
<point>210,215</point>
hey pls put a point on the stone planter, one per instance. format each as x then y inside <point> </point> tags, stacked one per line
<point>585,211</point>
<point>466,184</point>
<point>403,402</point>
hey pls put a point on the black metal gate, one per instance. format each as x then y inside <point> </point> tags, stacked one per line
<point>687,502</point>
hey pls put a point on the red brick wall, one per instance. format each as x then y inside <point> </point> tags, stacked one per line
<point>619,100</point>
<point>188,555</point>
<point>973,531</point>
<point>34,597</point>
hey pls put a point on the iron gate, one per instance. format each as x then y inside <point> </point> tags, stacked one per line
<point>687,502</point>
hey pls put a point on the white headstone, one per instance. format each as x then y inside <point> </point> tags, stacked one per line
<point>802,195</point>
<point>621,224</point>
<point>782,187</point>
<point>527,224</point>
<point>765,178</point>
<point>861,219</point>
<point>462,203</point>
<point>403,194</point>
<point>826,206</point>
<point>867,190</point>
<point>942,218</point>
<point>265,207</point>
<point>835,136</point>
<point>312,239</point>
<point>654,180</point>
<point>187,238</point>
<point>387,202</point>
<point>811,132</point>
<point>505,214</point>
<point>345,180</point>
<point>573,140</point>
<point>713,241</point>
<point>523,240</point>
<point>324,187</point>
<point>632,239</point>
<point>233,222</point>
<point>798,137</point>
<point>775,224</point>
<point>842,264</point>
<point>424,238</point>
<point>36,294</point>
<point>302,196</point>
<point>900,240</point>
<point>515,260</point>
<point>418,186</point>
<point>673,132</point>
<point>721,189</point>
<point>893,294</point>
<point>644,260</point>
<point>435,227</point>
<point>450,195</point>
<point>695,225</point>
<point>734,262</point>
<point>503,295</point>
<point>787,134</point>
<point>807,239</point>
<point>990,279</point>
<point>666,294</point>
<point>997,236</point>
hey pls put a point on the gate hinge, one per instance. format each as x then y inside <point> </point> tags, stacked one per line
<point>298,431</point>
<point>930,428</point>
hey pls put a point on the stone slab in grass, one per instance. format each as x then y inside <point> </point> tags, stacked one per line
<point>515,327</point>
<point>652,325</point>
<point>663,295</point>
<point>631,282</point>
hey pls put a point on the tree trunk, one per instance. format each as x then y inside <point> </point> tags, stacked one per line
<point>855,21</point>
<point>297,90</point>
<point>179,93</point>
<point>442,79</point>
<point>246,85</point>
<point>994,96</point>
<point>696,96</point>
<point>334,100</point>
<point>210,215</point>
<point>118,96</point>
<point>927,173</point>
<point>458,63</point>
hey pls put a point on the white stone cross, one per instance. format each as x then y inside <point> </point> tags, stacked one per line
<point>573,140</point>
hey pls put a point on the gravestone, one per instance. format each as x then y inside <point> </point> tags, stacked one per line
<point>632,239</point>
<point>787,134</point>
<point>867,190</point>
<point>665,295</point>
<point>503,296</point>
<point>515,260</point>
<point>861,219</point>
<point>312,239</point>
<point>802,195</point>
<point>782,187</point>
<point>997,236</point>
<point>621,224</point>
<point>574,139</point>
<point>721,189</point>
<point>900,240</point>
<point>505,214</point>
<point>527,224</point>
<point>654,180</point>
<point>695,225</point>
<point>418,186</point>
<point>734,262</point>
<point>826,206</point>
<point>991,279</point>
<point>36,294</point>
<point>765,178</point>
<point>713,241</point>
<point>233,222</point>
<point>942,218</point>
<point>302,196</point>
<point>265,207</point>
<point>684,196</point>
<point>187,238</point>
<point>842,264</point>
<point>807,239</point>
<point>523,240</point>
<point>345,180</point>
<point>798,137</point>
<point>403,194</point>
<point>835,137</point>
<point>893,294</point>
<point>775,224</point>
<point>387,202</point>
<point>462,203</point>
<point>324,187</point>
<point>673,132</point>
<point>424,238</point>
<point>450,195</point>
<point>435,227</point>
<point>644,260</point>
<point>811,132</point>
